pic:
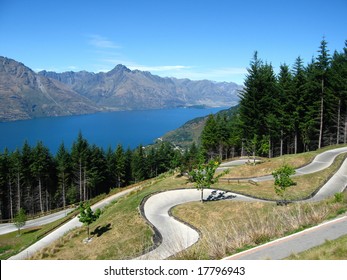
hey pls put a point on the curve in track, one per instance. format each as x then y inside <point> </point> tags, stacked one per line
<point>177,236</point>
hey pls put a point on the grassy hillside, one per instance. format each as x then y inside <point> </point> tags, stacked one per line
<point>226,226</point>
<point>190,132</point>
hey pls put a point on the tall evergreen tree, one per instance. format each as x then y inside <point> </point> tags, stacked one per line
<point>7,195</point>
<point>120,163</point>
<point>209,137</point>
<point>28,179</point>
<point>63,161</point>
<point>286,105</point>
<point>322,67</point>
<point>79,156</point>
<point>338,84</point>
<point>297,101</point>
<point>139,165</point>
<point>40,170</point>
<point>250,110</point>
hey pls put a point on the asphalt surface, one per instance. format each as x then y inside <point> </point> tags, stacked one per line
<point>177,236</point>
<point>296,243</point>
<point>10,227</point>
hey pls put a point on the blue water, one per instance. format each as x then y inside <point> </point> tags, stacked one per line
<point>129,128</point>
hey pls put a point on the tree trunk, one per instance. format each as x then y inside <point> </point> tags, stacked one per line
<point>296,142</point>
<point>18,191</point>
<point>270,148</point>
<point>63,190</point>
<point>11,202</point>
<point>40,195</point>
<point>202,194</point>
<point>47,203</point>
<point>338,122</point>
<point>84,185</point>
<point>220,150</point>
<point>242,149</point>
<point>321,117</point>
<point>80,179</point>
<point>281,143</point>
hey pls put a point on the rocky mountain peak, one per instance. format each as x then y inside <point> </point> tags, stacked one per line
<point>120,68</point>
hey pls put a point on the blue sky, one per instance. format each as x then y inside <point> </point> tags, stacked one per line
<point>186,39</point>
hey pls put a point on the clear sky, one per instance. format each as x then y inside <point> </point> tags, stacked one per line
<point>206,39</point>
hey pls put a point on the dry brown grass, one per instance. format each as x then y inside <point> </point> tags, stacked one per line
<point>305,185</point>
<point>266,166</point>
<point>228,227</point>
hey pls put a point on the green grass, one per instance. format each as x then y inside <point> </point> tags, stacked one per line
<point>12,243</point>
<point>330,250</point>
<point>121,232</point>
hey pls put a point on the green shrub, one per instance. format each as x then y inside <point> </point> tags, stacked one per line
<point>338,197</point>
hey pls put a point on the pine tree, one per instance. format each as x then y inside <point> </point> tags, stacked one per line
<point>139,164</point>
<point>120,166</point>
<point>322,67</point>
<point>95,173</point>
<point>271,101</point>
<point>16,171</point>
<point>338,84</point>
<point>128,167</point>
<point>40,170</point>
<point>79,156</point>
<point>7,195</point>
<point>63,161</point>
<point>209,137</point>
<point>250,109</point>
<point>28,179</point>
<point>286,107</point>
<point>297,101</point>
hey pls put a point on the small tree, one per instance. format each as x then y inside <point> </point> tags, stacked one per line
<point>87,216</point>
<point>204,176</point>
<point>283,180</point>
<point>20,219</point>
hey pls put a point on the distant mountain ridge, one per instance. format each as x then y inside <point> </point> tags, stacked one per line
<point>25,94</point>
<point>123,89</point>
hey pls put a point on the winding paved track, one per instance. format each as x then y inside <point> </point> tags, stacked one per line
<point>10,227</point>
<point>177,236</point>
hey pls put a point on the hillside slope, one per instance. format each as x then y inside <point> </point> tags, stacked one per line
<point>25,94</point>
<point>190,132</point>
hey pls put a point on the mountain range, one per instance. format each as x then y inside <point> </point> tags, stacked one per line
<point>25,94</point>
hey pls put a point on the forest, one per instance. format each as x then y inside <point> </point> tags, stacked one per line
<point>302,108</point>
<point>33,179</point>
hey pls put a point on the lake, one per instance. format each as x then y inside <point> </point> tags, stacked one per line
<point>129,128</point>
